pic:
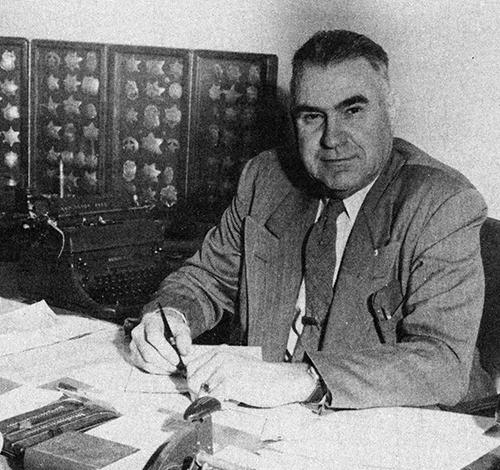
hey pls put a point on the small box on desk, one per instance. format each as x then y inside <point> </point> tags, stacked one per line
<point>74,450</point>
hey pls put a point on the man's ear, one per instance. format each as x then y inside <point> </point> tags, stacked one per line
<point>392,107</point>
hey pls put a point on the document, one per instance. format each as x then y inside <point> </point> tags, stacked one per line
<point>389,438</point>
<point>36,325</point>
<point>120,374</point>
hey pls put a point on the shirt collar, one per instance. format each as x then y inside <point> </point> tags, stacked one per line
<point>353,203</point>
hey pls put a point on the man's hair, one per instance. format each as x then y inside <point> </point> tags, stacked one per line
<point>332,47</point>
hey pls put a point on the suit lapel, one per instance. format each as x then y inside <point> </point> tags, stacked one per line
<point>274,270</point>
<point>368,260</point>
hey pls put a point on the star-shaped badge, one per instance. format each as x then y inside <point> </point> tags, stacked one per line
<point>132,64</point>
<point>72,106</point>
<point>71,83</point>
<point>90,177</point>
<point>52,82</point>
<point>8,87</point>
<point>91,132</point>
<point>73,60</point>
<point>153,90</point>
<point>150,172</point>
<point>131,115</point>
<point>51,106</point>
<point>53,130</point>
<point>151,143</point>
<point>155,67</point>
<point>72,180</point>
<point>53,156</point>
<point>11,137</point>
<point>231,95</point>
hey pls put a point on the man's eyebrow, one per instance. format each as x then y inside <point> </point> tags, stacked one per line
<point>356,99</point>
<point>303,108</point>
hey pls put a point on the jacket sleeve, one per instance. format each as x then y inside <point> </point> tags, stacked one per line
<point>207,284</point>
<point>431,361</point>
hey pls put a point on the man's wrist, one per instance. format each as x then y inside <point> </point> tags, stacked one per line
<point>175,313</point>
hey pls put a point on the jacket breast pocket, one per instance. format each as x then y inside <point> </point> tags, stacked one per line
<point>385,305</point>
<point>385,263</point>
<point>386,300</point>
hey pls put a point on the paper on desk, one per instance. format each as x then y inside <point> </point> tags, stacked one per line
<point>140,430</point>
<point>121,375</point>
<point>25,398</point>
<point>36,325</point>
<point>390,438</point>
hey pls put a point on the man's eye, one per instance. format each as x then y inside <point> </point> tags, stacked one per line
<point>353,110</point>
<point>311,118</point>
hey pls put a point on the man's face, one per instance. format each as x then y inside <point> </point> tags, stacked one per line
<point>343,124</point>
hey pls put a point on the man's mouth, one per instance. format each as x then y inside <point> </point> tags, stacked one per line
<point>339,160</point>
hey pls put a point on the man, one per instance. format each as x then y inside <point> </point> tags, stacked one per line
<point>387,314</point>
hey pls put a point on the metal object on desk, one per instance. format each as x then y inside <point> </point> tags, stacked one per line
<point>28,429</point>
<point>494,430</point>
<point>191,439</point>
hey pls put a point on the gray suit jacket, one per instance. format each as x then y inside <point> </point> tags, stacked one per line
<point>415,242</point>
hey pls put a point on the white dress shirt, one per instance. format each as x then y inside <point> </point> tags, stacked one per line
<point>345,221</point>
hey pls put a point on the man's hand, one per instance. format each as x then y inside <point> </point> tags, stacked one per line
<point>3,463</point>
<point>150,350</point>
<point>231,376</point>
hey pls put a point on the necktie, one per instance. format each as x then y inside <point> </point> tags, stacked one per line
<point>320,258</point>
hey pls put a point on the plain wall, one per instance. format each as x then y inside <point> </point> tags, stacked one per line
<point>445,54</point>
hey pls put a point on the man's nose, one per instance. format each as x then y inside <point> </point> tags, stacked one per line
<point>333,134</point>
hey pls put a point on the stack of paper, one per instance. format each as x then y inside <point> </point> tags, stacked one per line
<point>36,325</point>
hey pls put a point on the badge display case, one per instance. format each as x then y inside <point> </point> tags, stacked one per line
<point>147,125</point>
<point>150,115</point>
<point>233,120</point>
<point>13,119</point>
<point>69,95</point>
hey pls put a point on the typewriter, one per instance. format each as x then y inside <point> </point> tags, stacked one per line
<point>97,256</point>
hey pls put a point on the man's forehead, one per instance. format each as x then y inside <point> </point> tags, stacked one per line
<point>338,82</point>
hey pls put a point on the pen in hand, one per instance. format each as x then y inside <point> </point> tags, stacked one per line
<point>169,336</point>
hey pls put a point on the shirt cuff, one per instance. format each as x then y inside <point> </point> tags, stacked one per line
<point>320,392</point>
